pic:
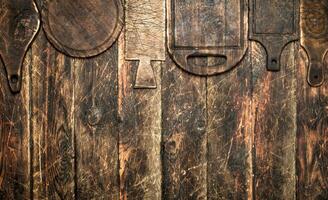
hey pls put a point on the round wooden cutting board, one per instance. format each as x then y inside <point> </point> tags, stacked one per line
<point>82,28</point>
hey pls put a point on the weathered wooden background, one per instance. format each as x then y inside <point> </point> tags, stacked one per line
<point>79,130</point>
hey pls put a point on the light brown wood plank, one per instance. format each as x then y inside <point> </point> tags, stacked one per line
<point>140,133</point>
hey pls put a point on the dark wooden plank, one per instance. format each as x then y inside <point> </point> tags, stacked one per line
<point>140,133</point>
<point>229,114</point>
<point>96,126</point>
<point>184,134</point>
<point>15,137</point>
<point>312,129</point>
<point>229,133</point>
<point>274,101</point>
<point>52,122</point>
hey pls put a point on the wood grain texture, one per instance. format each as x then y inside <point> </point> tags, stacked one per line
<point>79,129</point>
<point>184,134</point>
<point>15,135</point>
<point>274,101</point>
<point>229,133</point>
<point>96,126</point>
<point>312,138</point>
<point>140,134</point>
<point>52,122</point>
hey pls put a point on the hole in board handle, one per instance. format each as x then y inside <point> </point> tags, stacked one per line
<point>206,60</point>
<point>14,79</point>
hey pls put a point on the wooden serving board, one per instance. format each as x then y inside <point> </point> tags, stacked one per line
<point>274,24</point>
<point>145,37</point>
<point>314,37</point>
<point>82,28</point>
<point>19,24</point>
<point>207,37</point>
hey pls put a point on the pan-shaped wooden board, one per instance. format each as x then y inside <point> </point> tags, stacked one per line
<point>207,37</point>
<point>274,24</point>
<point>314,37</point>
<point>82,28</point>
<point>19,24</point>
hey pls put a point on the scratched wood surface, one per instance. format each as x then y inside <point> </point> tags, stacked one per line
<point>15,135</point>
<point>229,133</point>
<point>274,102</point>
<point>79,130</point>
<point>96,126</point>
<point>140,133</point>
<point>312,139</point>
<point>184,134</point>
<point>51,123</point>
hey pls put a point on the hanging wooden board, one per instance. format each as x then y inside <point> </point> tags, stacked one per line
<point>145,37</point>
<point>207,37</point>
<point>19,24</point>
<point>314,37</point>
<point>274,24</point>
<point>82,28</point>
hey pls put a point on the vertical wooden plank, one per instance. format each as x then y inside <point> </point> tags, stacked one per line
<point>184,134</point>
<point>96,126</point>
<point>52,122</point>
<point>230,119</point>
<point>274,100</point>
<point>229,133</point>
<point>312,151</point>
<point>140,133</point>
<point>15,135</point>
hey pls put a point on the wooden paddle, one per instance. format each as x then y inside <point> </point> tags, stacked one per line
<point>19,24</point>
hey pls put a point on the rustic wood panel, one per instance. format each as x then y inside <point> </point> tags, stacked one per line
<point>140,133</point>
<point>52,122</point>
<point>230,133</point>
<point>96,126</point>
<point>274,100</point>
<point>78,129</point>
<point>15,135</point>
<point>184,134</point>
<point>312,151</point>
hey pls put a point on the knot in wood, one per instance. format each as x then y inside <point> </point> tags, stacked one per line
<point>94,116</point>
